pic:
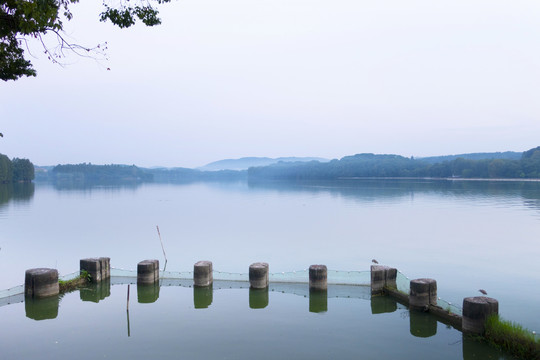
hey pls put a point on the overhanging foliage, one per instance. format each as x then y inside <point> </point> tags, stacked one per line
<point>24,19</point>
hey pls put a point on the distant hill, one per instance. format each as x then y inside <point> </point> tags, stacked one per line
<point>485,166</point>
<point>507,164</point>
<point>507,155</point>
<point>247,162</point>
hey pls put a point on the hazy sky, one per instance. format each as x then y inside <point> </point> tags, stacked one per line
<point>232,78</point>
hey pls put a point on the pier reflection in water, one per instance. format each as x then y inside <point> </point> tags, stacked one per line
<point>203,296</point>
<point>258,298</point>
<point>422,324</point>
<point>350,323</point>
<point>148,293</point>
<point>474,349</point>
<point>318,301</point>
<point>42,308</point>
<point>383,304</point>
<point>96,292</point>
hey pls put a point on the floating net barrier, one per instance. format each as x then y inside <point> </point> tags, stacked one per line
<point>16,294</point>
<point>335,277</point>
<point>403,284</point>
<point>12,295</point>
<point>128,276</point>
<point>345,284</point>
<point>450,307</point>
<point>334,291</point>
<point>295,288</point>
<point>70,276</point>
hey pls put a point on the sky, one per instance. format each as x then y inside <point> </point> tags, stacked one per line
<point>222,79</point>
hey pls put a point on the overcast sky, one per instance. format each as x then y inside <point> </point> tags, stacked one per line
<point>233,78</point>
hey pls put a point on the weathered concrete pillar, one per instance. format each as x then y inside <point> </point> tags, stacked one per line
<point>318,275</point>
<point>258,298</point>
<point>202,273</point>
<point>382,276</point>
<point>475,313</point>
<point>105,263</point>
<point>378,278</point>
<point>318,300</point>
<point>148,271</point>
<point>93,267</point>
<point>391,278</point>
<point>41,282</point>
<point>202,296</point>
<point>97,268</point>
<point>423,293</point>
<point>258,275</point>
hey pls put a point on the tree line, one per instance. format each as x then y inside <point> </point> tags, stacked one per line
<point>15,170</point>
<point>371,165</point>
<point>98,173</point>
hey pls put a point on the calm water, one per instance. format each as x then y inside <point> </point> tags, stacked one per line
<point>466,235</point>
<point>171,322</point>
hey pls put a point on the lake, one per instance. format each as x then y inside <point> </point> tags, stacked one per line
<point>468,235</point>
<point>176,321</point>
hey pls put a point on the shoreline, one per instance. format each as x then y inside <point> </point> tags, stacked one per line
<point>438,179</point>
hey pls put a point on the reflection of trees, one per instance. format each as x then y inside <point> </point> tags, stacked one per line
<point>187,176</point>
<point>23,191</point>
<point>362,190</point>
<point>87,175</point>
<point>84,185</point>
<point>18,192</point>
<point>381,189</point>
<point>5,193</point>
<point>531,198</point>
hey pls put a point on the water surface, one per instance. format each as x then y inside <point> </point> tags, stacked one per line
<point>466,235</point>
<point>284,322</point>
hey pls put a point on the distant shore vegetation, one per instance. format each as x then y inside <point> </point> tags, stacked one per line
<point>89,173</point>
<point>84,174</point>
<point>507,165</point>
<point>15,170</point>
<point>396,166</point>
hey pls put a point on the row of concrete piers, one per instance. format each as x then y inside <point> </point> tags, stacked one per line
<point>422,296</point>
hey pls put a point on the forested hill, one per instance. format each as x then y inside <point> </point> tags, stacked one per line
<point>507,155</point>
<point>371,165</point>
<point>247,162</point>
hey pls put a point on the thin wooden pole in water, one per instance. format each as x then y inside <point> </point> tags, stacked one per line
<point>162,248</point>
<point>127,311</point>
<point>129,333</point>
